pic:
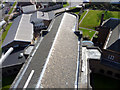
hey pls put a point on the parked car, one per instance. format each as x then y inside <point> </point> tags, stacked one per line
<point>2,6</point>
<point>6,11</point>
<point>11,3</point>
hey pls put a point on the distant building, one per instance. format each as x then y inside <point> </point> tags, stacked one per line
<point>41,20</point>
<point>109,42</point>
<point>29,9</point>
<point>20,33</point>
<point>18,37</point>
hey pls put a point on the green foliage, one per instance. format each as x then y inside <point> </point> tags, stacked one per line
<point>65,5</point>
<point>93,18</point>
<point>14,4</point>
<point>87,33</point>
<point>10,11</point>
<point>107,15</point>
<point>72,8</point>
<point>82,15</point>
<point>5,32</point>
<point>6,18</point>
<point>12,8</point>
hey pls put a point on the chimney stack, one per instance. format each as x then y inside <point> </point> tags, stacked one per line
<point>102,19</point>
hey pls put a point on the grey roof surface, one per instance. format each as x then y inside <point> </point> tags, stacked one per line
<point>114,41</point>
<point>38,16</point>
<point>13,58</point>
<point>93,54</point>
<point>61,69</point>
<point>29,8</point>
<point>112,23</point>
<point>21,30</point>
<point>12,31</point>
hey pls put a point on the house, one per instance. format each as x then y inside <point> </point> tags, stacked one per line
<point>54,62</point>
<point>41,20</point>
<point>20,33</point>
<point>18,37</point>
<point>109,40</point>
<point>107,27</point>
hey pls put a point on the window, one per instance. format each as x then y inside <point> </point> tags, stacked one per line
<point>109,72</point>
<point>110,57</point>
<point>102,71</point>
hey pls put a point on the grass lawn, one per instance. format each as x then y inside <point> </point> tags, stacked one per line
<point>93,17</point>
<point>7,81</point>
<point>5,33</point>
<point>14,4</point>
<point>12,8</point>
<point>82,15</point>
<point>10,11</point>
<point>100,81</point>
<point>72,8</point>
<point>88,33</point>
<point>65,5</point>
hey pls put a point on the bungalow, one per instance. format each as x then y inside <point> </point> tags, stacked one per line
<point>20,33</point>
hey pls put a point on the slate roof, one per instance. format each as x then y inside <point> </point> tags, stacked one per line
<point>21,30</point>
<point>114,42</point>
<point>112,23</point>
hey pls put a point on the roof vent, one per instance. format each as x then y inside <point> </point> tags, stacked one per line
<point>21,55</point>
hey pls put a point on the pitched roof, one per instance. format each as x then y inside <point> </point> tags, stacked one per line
<point>21,30</point>
<point>112,23</point>
<point>113,41</point>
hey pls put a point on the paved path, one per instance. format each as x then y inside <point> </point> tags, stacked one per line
<point>84,16</point>
<point>87,28</point>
